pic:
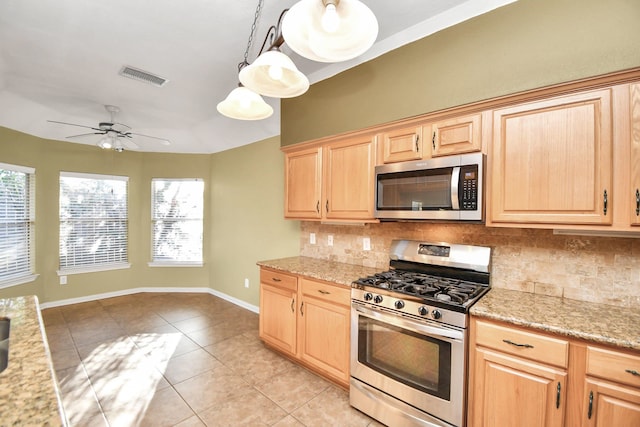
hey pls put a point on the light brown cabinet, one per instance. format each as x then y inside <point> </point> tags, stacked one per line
<point>612,389</point>
<point>332,180</point>
<point>455,136</point>
<point>551,161</point>
<point>324,328</point>
<point>634,193</point>
<point>402,144</point>
<point>519,378</point>
<point>308,321</point>
<point>278,313</point>
<point>529,378</point>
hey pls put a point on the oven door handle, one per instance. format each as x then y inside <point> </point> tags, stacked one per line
<point>439,332</point>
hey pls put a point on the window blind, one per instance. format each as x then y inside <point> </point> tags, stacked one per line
<point>17,222</point>
<point>93,221</point>
<point>177,220</point>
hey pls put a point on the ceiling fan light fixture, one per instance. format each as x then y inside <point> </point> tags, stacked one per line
<point>105,143</point>
<point>329,30</point>
<point>244,104</point>
<point>274,74</point>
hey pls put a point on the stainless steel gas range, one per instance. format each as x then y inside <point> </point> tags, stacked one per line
<point>409,333</point>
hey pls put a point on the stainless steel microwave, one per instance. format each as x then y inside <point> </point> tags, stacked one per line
<point>444,188</point>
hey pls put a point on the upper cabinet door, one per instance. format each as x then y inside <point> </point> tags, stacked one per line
<point>635,153</point>
<point>349,173</point>
<point>303,181</point>
<point>403,144</point>
<point>552,161</point>
<point>456,135</point>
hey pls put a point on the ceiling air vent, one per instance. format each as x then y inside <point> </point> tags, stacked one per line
<point>143,76</point>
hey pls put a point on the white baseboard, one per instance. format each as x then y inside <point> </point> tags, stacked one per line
<point>203,290</point>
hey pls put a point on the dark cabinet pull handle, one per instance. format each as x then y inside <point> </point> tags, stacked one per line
<point>606,199</point>
<point>318,206</point>
<point>275,279</point>
<point>301,308</point>
<point>633,372</point>
<point>518,345</point>
<point>637,202</point>
<point>558,397</point>
<point>590,412</point>
<point>293,301</point>
<point>326,206</point>
<point>324,292</point>
<point>417,146</point>
<point>433,141</point>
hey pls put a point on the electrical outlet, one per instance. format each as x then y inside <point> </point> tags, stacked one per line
<point>366,244</point>
<point>330,240</point>
<point>312,238</point>
<point>63,280</point>
<point>246,283</point>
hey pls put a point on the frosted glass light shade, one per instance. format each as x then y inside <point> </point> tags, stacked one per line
<point>244,104</point>
<point>303,31</point>
<point>274,74</point>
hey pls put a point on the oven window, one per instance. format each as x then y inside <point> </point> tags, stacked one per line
<point>415,190</point>
<point>416,360</point>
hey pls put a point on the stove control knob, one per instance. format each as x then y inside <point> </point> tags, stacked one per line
<point>368,296</point>
<point>423,311</point>
<point>436,314</point>
<point>399,304</point>
<point>378,299</point>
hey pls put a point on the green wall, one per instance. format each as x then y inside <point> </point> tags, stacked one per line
<point>243,215</point>
<point>248,225</point>
<point>524,45</point>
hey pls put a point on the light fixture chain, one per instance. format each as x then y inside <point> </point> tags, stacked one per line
<point>253,30</point>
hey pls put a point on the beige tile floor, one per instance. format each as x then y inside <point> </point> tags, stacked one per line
<point>167,359</point>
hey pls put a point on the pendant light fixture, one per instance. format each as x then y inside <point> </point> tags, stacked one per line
<point>243,103</point>
<point>330,30</point>
<point>273,73</point>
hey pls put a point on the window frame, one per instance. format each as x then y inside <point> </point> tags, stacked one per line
<point>22,277</point>
<point>96,267</point>
<point>175,263</point>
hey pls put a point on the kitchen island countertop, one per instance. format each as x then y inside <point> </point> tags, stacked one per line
<point>29,394</point>
<point>598,323</point>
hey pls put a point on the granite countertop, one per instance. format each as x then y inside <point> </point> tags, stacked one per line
<point>29,393</point>
<point>598,323</point>
<point>321,269</point>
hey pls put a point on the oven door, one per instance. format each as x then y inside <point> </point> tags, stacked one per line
<point>418,362</point>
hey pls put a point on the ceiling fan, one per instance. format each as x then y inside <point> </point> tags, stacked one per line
<point>115,135</point>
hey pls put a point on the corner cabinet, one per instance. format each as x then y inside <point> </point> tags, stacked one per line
<point>331,180</point>
<point>552,161</point>
<point>308,321</point>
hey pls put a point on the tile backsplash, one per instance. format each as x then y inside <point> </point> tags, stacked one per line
<point>596,269</point>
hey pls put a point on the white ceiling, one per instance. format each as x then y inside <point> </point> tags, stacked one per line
<point>59,60</point>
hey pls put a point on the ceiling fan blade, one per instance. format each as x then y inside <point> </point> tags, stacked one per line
<point>86,134</point>
<point>162,141</point>
<point>131,144</point>
<point>73,124</point>
<point>120,127</point>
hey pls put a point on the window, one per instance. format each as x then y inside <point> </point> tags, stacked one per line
<point>17,225</point>
<point>93,222</point>
<point>177,217</point>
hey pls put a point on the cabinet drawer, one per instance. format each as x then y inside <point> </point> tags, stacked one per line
<point>613,365</point>
<point>279,279</point>
<point>533,346</point>
<point>332,293</point>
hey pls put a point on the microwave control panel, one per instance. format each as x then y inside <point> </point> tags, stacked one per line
<point>469,185</point>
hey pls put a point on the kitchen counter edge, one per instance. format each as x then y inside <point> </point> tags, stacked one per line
<point>596,323</point>
<point>29,392</point>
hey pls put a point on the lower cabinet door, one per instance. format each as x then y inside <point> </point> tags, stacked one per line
<point>324,337</point>
<point>278,317</point>
<point>510,391</point>
<point>610,404</point>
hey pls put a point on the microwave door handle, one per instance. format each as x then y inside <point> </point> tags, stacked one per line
<point>455,179</point>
